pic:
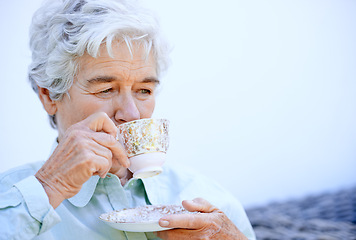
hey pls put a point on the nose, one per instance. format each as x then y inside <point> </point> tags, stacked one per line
<point>126,109</point>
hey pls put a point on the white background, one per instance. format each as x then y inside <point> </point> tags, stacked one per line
<point>261,95</point>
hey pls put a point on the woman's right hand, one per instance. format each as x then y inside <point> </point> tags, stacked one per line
<point>88,148</point>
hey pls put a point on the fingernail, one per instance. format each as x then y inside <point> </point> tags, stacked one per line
<point>164,223</point>
<point>127,163</point>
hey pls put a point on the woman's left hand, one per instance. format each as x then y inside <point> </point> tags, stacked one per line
<point>209,223</point>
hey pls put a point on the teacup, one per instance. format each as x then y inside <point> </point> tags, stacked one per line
<point>146,142</point>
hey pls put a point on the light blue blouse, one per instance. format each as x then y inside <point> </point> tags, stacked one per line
<point>25,212</point>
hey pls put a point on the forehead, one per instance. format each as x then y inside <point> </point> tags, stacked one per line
<point>124,62</point>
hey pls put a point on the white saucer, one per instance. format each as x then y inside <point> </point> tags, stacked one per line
<point>136,227</point>
<point>142,218</point>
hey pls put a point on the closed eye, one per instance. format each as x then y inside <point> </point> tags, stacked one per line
<point>105,93</point>
<point>106,90</point>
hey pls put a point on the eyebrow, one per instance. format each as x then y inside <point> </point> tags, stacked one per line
<point>101,79</point>
<point>107,79</point>
<point>150,80</point>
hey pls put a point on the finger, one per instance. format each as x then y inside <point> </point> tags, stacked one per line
<point>106,155</point>
<point>90,164</point>
<point>101,166</point>
<point>202,233</point>
<point>187,221</point>
<point>100,150</point>
<point>123,173</point>
<point>198,205</point>
<point>100,122</point>
<point>118,152</point>
<point>176,234</point>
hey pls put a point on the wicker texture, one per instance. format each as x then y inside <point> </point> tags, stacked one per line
<point>328,216</point>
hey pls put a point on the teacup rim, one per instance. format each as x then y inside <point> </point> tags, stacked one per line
<point>142,119</point>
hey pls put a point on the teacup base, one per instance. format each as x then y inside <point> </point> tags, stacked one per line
<point>147,172</point>
<point>147,165</point>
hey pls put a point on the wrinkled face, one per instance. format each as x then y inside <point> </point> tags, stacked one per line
<point>123,87</point>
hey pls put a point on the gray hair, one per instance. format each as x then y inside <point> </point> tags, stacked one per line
<point>63,30</point>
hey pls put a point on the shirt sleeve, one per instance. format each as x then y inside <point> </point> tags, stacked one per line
<point>176,184</point>
<point>218,196</point>
<point>25,211</point>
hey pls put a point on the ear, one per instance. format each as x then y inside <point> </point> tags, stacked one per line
<point>49,105</point>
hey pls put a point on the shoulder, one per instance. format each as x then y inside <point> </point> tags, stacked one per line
<point>181,182</point>
<point>185,183</point>
<point>193,183</point>
<point>14,175</point>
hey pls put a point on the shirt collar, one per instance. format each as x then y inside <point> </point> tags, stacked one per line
<point>83,197</point>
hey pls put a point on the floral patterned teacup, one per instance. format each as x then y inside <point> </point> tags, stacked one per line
<point>146,142</point>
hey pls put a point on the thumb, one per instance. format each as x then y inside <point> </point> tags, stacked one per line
<point>199,205</point>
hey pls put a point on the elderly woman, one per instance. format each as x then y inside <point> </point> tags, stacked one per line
<point>97,64</point>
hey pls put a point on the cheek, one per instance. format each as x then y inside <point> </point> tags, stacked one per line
<point>83,108</point>
<point>146,108</point>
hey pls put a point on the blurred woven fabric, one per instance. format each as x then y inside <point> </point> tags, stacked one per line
<point>328,216</point>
